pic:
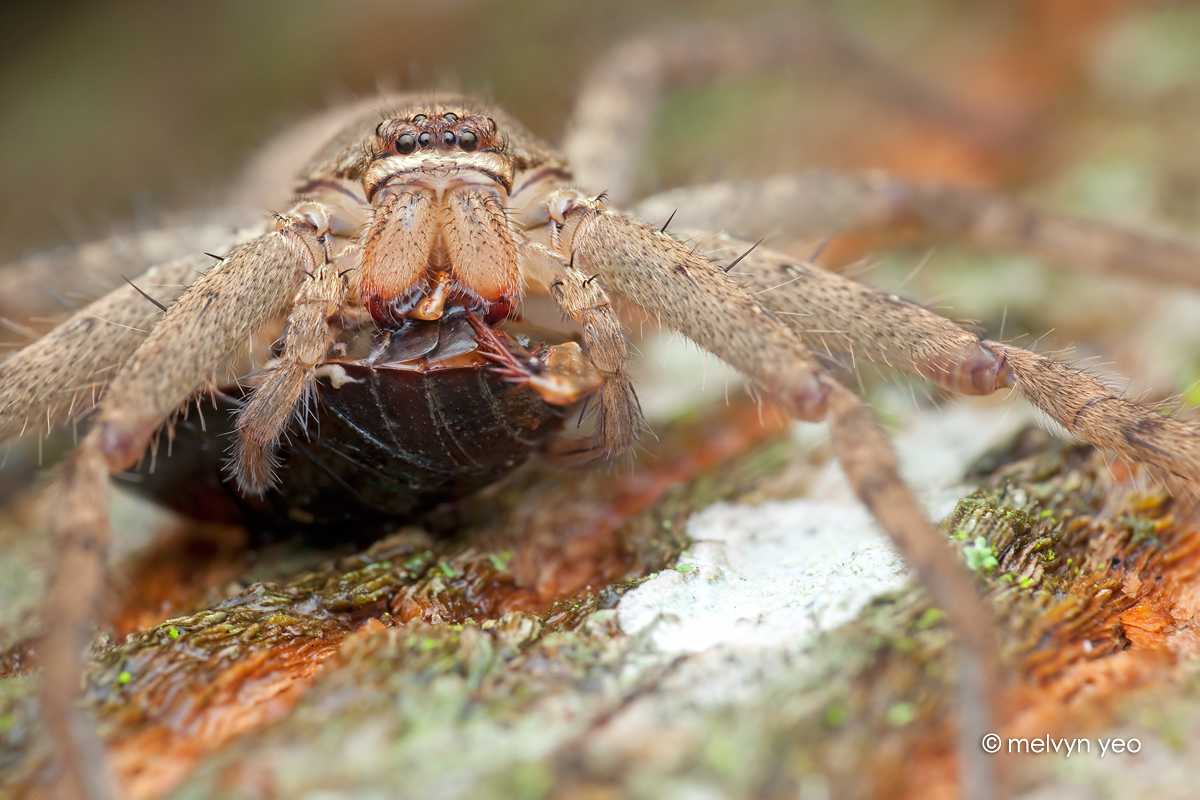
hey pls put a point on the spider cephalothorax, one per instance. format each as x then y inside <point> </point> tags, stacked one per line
<point>438,184</point>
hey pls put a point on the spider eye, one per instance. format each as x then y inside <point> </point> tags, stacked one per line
<point>420,118</point>
<point>448,138</point>
<point>424,138</point>
<point>450,117</point>
<point>406,144</point>
<point>468,141</point>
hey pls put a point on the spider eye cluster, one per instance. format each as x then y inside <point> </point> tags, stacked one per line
<point>441,131</point>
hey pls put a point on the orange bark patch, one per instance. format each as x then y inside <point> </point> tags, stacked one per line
<point>175,574</point>
<point>1122,625</point>
<point>1146,624</point>
<point>184,722</point>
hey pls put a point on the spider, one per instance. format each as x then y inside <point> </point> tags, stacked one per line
<point>422,205</point>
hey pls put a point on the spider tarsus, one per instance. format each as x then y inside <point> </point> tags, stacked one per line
<point>81,534</point>
<point>1089,409</point>
<point>870,465</point>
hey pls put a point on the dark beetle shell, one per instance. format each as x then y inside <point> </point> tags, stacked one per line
<point>418,418</point>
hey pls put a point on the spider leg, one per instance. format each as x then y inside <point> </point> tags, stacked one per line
<point>217,313</point>
<point>1090,410</point>
<point>617,99</point>
<point>816,202</point>
<point>686,291</point>
<point>912,338</point>
<point>267,181</point>
<point>96,267</point>
<point>670,281</point>
<point>308,339</point>
<point>605,344</point>
<point>869,461</point>
<point>822,306</point>
<point>80,355</point>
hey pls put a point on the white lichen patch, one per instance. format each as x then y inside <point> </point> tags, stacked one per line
<point>779,573</point>
<point>765,575</point>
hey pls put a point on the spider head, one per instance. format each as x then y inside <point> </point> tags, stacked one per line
<point>437,180</point>
<point>436,148</point>
<point>447,133</point>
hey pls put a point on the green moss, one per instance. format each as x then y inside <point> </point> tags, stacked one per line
<point>417,564</point>
<point>527,781</point>
<point>979,556</point>
<point>723,752</point>
<point>901,714</point>
<point>930,617</point>
<point>836,716</point>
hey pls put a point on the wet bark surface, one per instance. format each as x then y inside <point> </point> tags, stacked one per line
<point>491,659</point>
